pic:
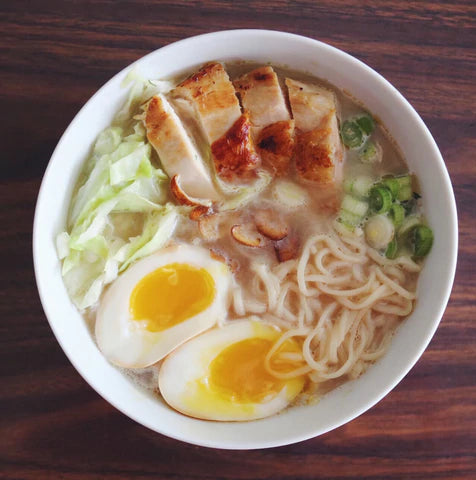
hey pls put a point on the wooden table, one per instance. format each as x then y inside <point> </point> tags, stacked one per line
<point>54,56</point>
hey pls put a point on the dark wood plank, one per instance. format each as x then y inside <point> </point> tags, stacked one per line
<point>54,56</point>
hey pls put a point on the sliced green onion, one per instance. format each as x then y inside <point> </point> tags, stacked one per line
<point>349,219</point>
<point>380,199</point>
<point>408,224</point>
<point>362,185</point>
<point>351,134</point>
<point>354,205</point>
<point>366,123</point>
<point>343,228</point>
<point>396,214</point>
<point>393,185</point>
<point>422,240</point>
<point>359,186</point>
<point>371,153</point>
<point>404,180</point>
<point>405,193</point>
<point>392,249</point>
<point>379,231</point>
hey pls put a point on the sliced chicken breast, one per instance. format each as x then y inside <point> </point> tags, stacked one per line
<point>317,155</point>
<point>234,155</point>
<point>176,151</point>
<point>275,144</point>
<point>310,104</point>
<point>261,97</point>
<point>215,104</point>
<point>318,151</point>
<point>273,129</point>
<point>212,95</point>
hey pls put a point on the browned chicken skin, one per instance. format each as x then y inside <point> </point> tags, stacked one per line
<point>228,132</point>
<point>211,93</point>
<point>234,155</point>
<point>238,141</point>
<point>275,144</point>
<point>273,129</point>
<point>314,156</point>
<point>318,151</point>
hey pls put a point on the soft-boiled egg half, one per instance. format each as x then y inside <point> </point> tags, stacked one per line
<point>159,303</point>
<point>222,374</point>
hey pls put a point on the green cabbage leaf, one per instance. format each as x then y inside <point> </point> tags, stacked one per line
<point>118,178</point>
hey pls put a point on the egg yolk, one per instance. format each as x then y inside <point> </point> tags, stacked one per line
<point>238,373</point>
<point>170,295</point>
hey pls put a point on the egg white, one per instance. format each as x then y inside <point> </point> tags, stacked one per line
<point>185,369</point>
<point>126,342</point>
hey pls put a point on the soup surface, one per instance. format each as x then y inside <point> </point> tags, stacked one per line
<point>243,239</point>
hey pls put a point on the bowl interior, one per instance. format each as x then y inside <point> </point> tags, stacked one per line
<point>340,405</point>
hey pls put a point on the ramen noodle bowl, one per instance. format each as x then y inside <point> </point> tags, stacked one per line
<point>331,294</point>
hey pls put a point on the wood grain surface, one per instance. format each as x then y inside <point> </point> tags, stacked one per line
<point>54,56</point>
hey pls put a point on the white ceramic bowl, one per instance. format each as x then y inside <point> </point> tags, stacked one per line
<point>339,406</point>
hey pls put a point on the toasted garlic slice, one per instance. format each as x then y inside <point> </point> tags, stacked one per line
<point>185,199</point>
<point>246,234</point>
<point>271,224</point>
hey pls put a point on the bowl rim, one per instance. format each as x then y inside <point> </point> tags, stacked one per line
<point>353,413</point>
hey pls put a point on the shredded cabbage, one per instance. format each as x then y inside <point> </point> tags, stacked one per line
<point>140,91</point>
<point>118,177</point>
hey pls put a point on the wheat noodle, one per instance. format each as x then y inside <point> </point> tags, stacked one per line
<point>340,300</point>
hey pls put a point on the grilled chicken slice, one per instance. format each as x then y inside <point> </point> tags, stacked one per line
<point>176,151</point>
<point>213,98</point>
<point>316,156</point>
<point>310,104</point>
<point>275,144</point>
<point>233,154</point>
<point>273,129</point>
<point>261,97</point>
<point>318,151</point>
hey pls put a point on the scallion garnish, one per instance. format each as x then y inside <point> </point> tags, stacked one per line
<point>380,199</point>
<point>354,205</point>
<point>405,193</point>
<point>393,185</point>
<point>422,240</point>
<point>366,123</point>
<point>371,153</point>
<point>392,249</point>
<point>379,231</point>
<point>351,134</point>
<point>349,219</point>
<point>396,214</point>
<point>359,186</point>
<point>404,180</point>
